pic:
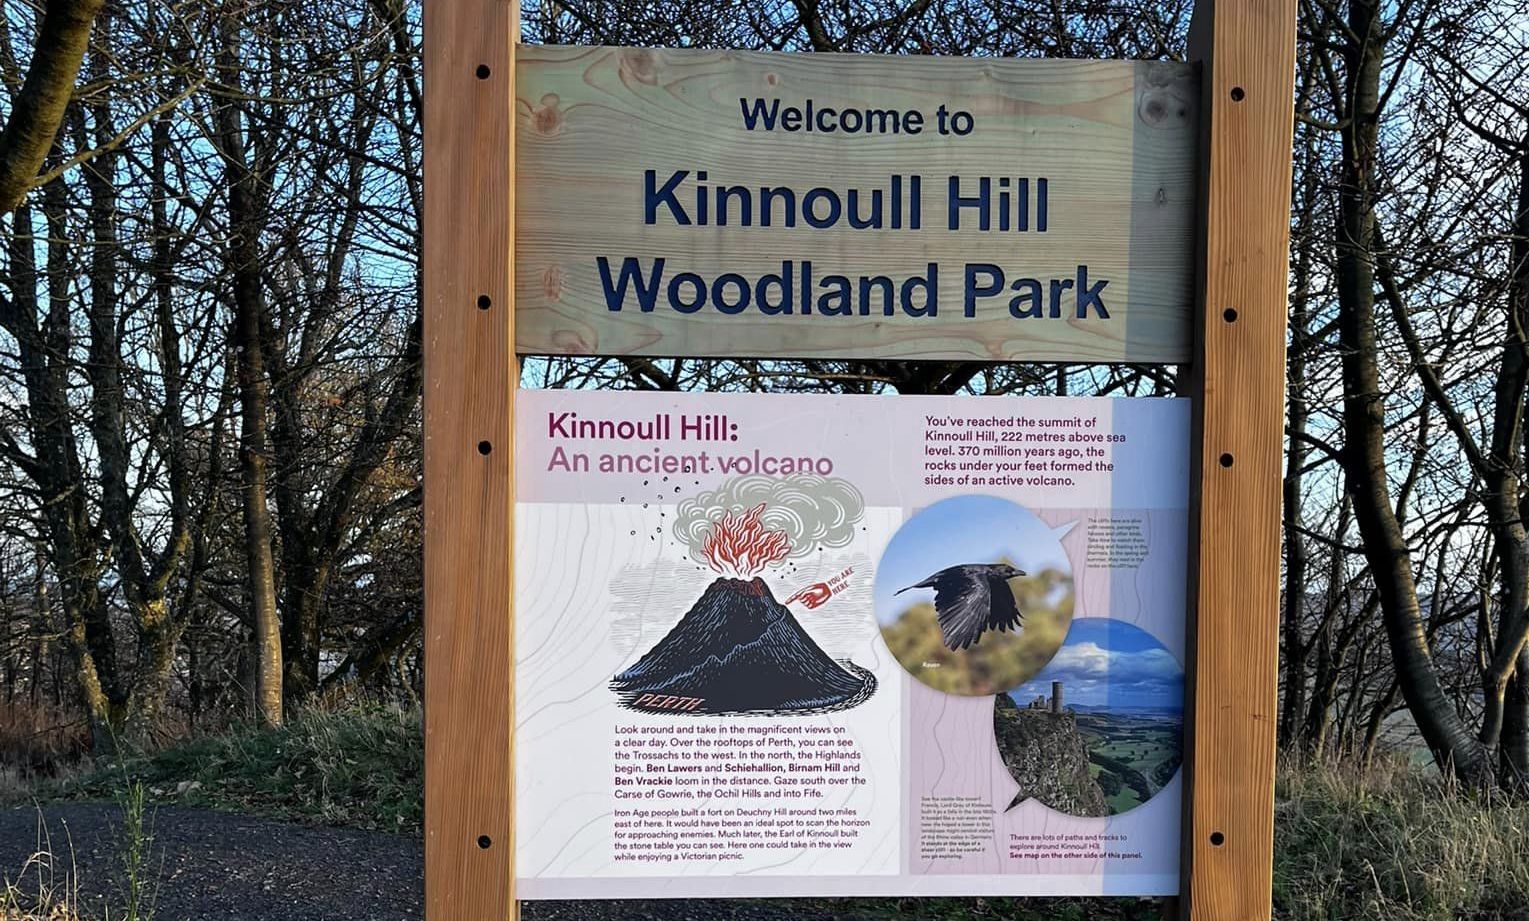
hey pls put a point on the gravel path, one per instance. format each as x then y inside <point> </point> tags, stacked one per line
<point>214,865</point>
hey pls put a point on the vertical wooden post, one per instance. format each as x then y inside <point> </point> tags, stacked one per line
<point>1247,52</point>
<point>470,378</point>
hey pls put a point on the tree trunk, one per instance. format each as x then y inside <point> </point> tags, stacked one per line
<point>1377,722</point>
<point>43,347</point>
<point>304,585</point>
<point>373,654</point>
<point>1454,747</point>
<point>42,611</point>
<point>38,110</point>
<point>245,212</point>
<point>1513,761</point>
<point>1293,617</point>
<point>314,534</point>
<point>142,578</point>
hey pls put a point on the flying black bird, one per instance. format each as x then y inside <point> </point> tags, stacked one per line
<point>972,599</point>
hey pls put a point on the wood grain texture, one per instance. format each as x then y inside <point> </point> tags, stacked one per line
<point>470,377</point>
<point>1247,51</point>
<point>1114,140</point>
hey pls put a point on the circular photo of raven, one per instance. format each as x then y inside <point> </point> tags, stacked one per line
<point>1100,730</point>
<point>974,595</point>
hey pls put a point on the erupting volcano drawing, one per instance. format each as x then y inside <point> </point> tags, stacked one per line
<point>739,650</point>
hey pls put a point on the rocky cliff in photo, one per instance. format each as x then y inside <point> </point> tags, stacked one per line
<point>1047,756</point>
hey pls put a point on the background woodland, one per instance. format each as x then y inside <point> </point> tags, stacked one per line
<point>210,447</point>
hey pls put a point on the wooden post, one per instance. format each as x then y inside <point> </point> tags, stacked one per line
<point>1247,51</point>
<point>470,378</point>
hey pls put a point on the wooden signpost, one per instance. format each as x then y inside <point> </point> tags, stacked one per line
<point>664,202</point>
<point>873,171</point>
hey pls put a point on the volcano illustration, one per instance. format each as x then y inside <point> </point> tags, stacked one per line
<point>738,650</point>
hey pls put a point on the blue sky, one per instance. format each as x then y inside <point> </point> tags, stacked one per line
<point>1109,663</point>
<point>963,529</point>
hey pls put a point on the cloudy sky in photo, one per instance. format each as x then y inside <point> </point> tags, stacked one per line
<point>1109,663</point>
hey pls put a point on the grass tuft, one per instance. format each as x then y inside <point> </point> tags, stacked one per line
<point>1399,844</point>
<point>137,880</point>
<point>47,886</point>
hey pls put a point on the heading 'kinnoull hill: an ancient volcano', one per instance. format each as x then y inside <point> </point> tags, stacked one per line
<point>738,650</point>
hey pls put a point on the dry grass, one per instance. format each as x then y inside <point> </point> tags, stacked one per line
<point>46,888</point>
<point>37,743</point>
<point>1397,843</point>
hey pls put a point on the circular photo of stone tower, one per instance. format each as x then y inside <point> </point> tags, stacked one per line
<point>974,595</point>
<point>1100,730</point>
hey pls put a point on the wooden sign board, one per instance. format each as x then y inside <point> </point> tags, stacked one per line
<point>1169,183</point>
<point>743,204</point>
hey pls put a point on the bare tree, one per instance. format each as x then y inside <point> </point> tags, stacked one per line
<point>37,110</point>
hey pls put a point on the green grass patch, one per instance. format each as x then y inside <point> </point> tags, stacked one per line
<point>361,767</point>
<point>1124,801</point>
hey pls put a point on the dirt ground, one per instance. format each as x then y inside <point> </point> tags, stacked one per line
<point>213,865</point>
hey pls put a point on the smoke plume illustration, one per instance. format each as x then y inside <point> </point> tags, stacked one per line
<point>809,511</point>
<point>738,650</point>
